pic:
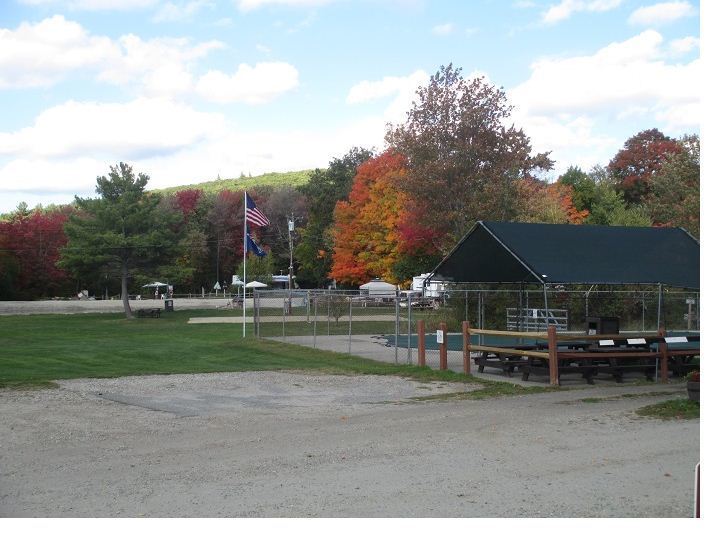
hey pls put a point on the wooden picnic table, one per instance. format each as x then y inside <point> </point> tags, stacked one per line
<point>585,358</point>
<point>149,313</point>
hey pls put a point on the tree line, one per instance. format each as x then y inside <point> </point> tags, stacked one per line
<point>391,214</point>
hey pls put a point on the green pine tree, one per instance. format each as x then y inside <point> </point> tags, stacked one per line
<point>122,231</point>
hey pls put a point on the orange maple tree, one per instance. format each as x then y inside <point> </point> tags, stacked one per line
<point>366,231</point>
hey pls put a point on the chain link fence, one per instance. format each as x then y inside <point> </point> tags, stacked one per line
<point>385,328</point>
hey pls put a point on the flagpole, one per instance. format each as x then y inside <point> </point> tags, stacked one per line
<point>245,250</point>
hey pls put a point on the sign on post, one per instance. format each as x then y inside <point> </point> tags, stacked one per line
<point>440,336</point>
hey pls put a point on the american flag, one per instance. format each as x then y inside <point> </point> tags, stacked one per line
<point>253,214</point>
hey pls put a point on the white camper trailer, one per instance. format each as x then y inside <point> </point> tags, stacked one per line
<point>435,289</point>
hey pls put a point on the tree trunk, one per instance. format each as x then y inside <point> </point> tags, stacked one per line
<point>124,291</point>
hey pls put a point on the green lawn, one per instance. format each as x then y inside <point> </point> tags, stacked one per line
<point>682,409</point>
<point>37,349</point>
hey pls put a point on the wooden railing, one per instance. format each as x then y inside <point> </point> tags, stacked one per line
<point>550,351</point>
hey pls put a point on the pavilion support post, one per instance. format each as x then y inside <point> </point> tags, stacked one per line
<point>519,320</point>
<point>443,347</point>
<point>421,343</point>
<point>660,305</point>
<point>465,347</point>
<point>663,350</point>
<point>547,312</point>
<point>552,353</point>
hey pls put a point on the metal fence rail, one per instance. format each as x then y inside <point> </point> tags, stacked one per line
<point>536,319</point>
<point>384,327</point>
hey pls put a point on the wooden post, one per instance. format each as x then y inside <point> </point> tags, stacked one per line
<point>552,352</point>
<point>421,343</point>
<point>465,347</point>
<point>663,349</point>
<point>443,347</point>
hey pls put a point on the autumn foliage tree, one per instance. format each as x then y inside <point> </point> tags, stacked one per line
<point>31,243</point>
<point>675,196</point>
<point>326,187</point>
<point>641,157</point>
<point>187,200</point>
<point>366,225</point>
<point>462,157</point>
<point>547,203</point>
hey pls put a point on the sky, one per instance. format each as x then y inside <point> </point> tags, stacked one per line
<point>190,90</point>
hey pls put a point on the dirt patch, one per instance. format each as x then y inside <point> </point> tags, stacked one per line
<point>288,444</point>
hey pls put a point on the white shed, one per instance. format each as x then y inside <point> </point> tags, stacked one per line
<point>378,288</point>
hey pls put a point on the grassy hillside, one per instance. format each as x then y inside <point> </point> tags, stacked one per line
<point>271,179</point>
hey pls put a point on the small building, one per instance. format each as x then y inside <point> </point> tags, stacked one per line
<point>377,288</point>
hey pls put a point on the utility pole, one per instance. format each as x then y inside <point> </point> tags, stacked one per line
<point>290,229</point>
<point>218,254</point>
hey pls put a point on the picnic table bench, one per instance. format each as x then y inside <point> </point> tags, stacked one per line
<point>149,313</point>
<point>507,359</point>
<point>616,362</point>
<point>591,357</point>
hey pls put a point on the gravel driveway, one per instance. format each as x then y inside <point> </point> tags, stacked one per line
<point>286,444</point>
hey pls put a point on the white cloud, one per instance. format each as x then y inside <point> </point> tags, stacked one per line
<point>402,88</point>
<point>683,46</point>
<point>443,29</point>
<point>571,140</point>
<point>139,128</point>
<point>49,181</point>
<point>44,53</point>
<point>631,72</point>
<point>566,8</point>
<point>561,102</point>
<point>175,145</point>
<point>252,85</point>
<point>159,66</point>
<point>41,54</point>
<point>250,5</point>
<point>660,14</point>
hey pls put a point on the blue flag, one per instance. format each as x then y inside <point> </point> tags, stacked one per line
<point>253,247</point>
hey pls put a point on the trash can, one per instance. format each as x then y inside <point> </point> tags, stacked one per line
<point>169,305</point>
<point>602,325</point>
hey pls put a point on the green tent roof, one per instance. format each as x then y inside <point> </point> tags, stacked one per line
<point>508,252</point>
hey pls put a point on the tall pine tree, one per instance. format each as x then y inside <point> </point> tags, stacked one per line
<point>121,231</point>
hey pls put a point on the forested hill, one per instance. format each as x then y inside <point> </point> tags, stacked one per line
<point>271,179</point>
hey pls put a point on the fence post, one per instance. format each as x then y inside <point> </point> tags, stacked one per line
<point>284,312</point>
<point>465,347</point>
<point>443,347</point>
<point>397,326</point>
<point>350,320</point>
<point>552,352</point>
<point>409,360</point>
<point>314,339</point>
<point>421,343</point>
<point>663,349</point>
<point>256,315</point>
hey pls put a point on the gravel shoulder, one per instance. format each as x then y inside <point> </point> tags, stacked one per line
<point>280,444</point>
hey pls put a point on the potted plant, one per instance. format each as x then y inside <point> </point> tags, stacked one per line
<point>693,386</point>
